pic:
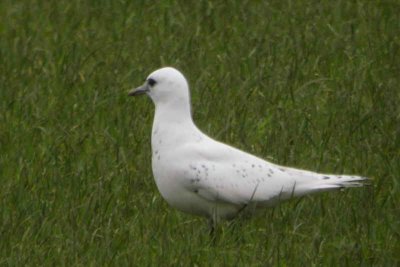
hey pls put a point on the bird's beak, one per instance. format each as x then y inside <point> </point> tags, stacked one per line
<point>139,91</point>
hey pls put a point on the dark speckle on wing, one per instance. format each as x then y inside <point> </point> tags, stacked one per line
<point>195,180</point>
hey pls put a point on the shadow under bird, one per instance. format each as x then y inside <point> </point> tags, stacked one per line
<point>199,175</point>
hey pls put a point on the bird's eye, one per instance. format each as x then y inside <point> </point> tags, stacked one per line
<point>151,82</point>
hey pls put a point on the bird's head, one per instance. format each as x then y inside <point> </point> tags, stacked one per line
<point>165,85</point>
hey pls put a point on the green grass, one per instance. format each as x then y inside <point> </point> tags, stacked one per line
<point>310,84</point>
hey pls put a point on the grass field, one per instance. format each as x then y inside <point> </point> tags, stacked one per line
<point>309,84</point>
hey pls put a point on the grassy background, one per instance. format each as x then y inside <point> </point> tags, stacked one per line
<point>310,84</point>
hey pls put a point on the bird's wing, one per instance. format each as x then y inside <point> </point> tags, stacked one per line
<point>219,172</point>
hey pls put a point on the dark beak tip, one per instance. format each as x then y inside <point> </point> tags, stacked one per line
<point>138,91</point>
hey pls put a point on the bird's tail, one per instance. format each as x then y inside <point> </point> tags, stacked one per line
<point>329,183</point>
<point>310,182</point>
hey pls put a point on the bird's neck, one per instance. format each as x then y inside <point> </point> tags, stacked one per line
<point>173,126</point>
<point>174,112</point>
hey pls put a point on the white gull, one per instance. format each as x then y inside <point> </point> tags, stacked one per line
<point>197,174</point>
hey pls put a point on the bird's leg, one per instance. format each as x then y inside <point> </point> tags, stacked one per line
<point>213,221</point>
<point>211,226</point>
<point>213,231</point>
